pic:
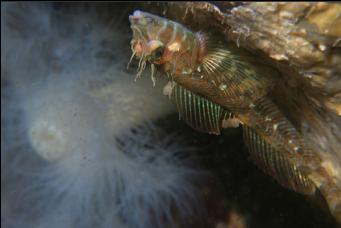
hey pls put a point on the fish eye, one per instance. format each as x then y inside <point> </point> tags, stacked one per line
<point>158,53</point>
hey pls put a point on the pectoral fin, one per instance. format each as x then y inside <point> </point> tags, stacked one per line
<point>277,163</point>
<point>198,112</point>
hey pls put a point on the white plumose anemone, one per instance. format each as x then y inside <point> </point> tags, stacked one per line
<point>76,150</point>
<point>64,120</point>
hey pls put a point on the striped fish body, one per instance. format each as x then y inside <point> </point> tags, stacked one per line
<point>214,81</point>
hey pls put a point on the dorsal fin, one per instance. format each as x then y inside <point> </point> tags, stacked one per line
<point>198,112</point>
<point>277,163</point>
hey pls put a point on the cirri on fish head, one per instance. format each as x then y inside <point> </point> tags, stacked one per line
<point>163,42</point>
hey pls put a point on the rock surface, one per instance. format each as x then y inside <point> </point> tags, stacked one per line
<point>303,42</point>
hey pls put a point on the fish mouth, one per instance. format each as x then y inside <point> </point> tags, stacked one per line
<point>137,50</point>
<point>140,18</point>
<point>137,14</point>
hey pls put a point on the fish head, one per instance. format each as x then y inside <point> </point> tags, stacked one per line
<point>159,41</point>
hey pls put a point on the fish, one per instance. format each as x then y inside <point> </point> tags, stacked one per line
<point>214,85</point>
